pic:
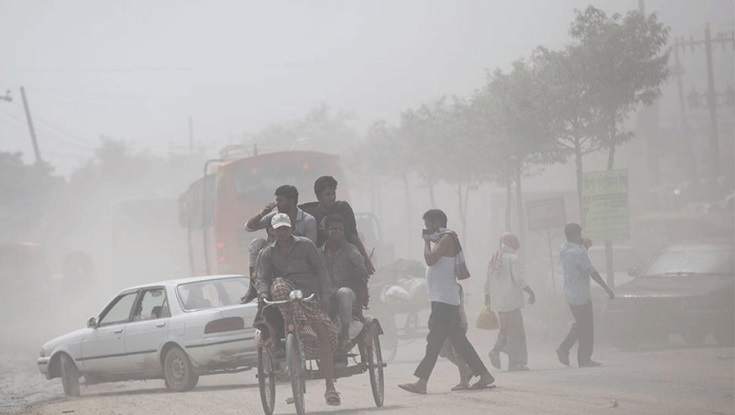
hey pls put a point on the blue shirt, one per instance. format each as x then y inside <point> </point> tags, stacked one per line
<point>577,271</point>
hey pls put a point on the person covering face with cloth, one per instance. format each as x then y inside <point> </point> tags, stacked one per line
<point>444,294</point>
<point>504,288</point>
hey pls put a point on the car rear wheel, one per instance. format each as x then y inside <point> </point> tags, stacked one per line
<point>69,375</point>
<point>178,371</point>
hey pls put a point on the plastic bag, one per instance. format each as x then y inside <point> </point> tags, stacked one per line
<point>488,319</point>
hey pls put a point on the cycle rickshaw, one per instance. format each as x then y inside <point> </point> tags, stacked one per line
<point>299,367</point>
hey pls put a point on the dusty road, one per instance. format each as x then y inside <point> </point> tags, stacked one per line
<point>674,380</point>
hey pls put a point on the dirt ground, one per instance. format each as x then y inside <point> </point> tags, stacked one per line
<point>653,380</point>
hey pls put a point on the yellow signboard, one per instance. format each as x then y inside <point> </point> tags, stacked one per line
<point>605,205</point>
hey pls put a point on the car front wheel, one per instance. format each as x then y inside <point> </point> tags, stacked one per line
<point>69,375</point>
<point>178,371</point>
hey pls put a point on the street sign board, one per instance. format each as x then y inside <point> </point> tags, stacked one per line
<point>546,213</point>
<point>605,205</point>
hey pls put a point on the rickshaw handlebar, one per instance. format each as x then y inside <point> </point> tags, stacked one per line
<point>268,302</point>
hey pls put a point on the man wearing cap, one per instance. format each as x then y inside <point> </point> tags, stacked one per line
<point>287,200</point>
<point>293,262</point>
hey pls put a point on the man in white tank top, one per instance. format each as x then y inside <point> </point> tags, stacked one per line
<point>444,321</point>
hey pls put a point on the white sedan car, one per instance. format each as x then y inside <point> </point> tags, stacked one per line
<point>173,330</point>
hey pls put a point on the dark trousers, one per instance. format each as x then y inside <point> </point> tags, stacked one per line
<point>444,322</point>
<point>583,330</point>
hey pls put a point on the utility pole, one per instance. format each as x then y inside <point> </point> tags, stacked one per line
<point>649,126</point>
<point>686,153</point>
<point>711,94</point>
<point>191,136</point>
<point>712,103</point>
<point>36,151</point>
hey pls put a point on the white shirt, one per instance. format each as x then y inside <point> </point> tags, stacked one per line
<point>441,282</point>
<point>505,286</point>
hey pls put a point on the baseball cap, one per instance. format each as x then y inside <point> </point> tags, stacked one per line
<point>280,219</point>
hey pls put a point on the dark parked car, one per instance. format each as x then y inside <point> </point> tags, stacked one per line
<point>684,289</point>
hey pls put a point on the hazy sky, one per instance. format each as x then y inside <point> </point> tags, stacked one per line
<point>137,69</point>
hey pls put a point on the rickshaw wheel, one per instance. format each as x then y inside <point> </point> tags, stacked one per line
<point>266,380</point>
<point>374,359</point>
<point>295,371</point>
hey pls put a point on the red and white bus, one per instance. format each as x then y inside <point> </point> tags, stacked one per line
<point>215,208</point>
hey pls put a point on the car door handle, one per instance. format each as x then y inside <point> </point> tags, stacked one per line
<point>160,324</point>
<point>117,331</point>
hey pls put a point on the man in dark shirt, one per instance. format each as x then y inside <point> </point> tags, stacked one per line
<point>325,188</point>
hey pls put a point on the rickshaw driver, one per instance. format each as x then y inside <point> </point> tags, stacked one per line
<point>293,262</point>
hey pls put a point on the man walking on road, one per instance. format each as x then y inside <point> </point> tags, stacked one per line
<point>577,272</point>
<point>444,294</point>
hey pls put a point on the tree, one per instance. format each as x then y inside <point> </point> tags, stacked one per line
<point>322,129</point>
<point>623,64</point>
<point>576,121</point>
<point>519,126</point>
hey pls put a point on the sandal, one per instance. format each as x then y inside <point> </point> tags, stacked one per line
<point>461,387</point>
<point>331,397</point>
<point>413,388</point>
<point>486,382</point>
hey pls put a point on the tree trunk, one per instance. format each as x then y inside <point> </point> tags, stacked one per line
<point>408,214</point>
<point>508,202</point>
<point>578,163</point>
<point>462,212</point>
<point>609,244</point>
<point>611,153</point>
<point>432,196</point>
<point>521,217</point>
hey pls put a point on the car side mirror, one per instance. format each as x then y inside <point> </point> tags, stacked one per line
<point>633,272</point>
<point>92,322</point>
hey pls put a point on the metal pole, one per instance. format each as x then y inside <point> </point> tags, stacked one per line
<point>36,151</point>
<point>712,104</point>
<point>191,136</point>
<point>687,153</point>
<point>551,262</point>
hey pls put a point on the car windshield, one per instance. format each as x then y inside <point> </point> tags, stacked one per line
<point>692,259</point>
<point>624,258</point>
<point>206,294</point>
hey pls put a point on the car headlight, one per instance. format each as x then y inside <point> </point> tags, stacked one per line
<point>43,353</point>
<point>296,295</point>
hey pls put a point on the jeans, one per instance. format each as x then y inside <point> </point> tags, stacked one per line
<point>583,330</point>
<point>444,323</point>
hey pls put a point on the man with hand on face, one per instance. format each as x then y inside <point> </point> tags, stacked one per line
<point>325,189</point>
<point>444,294</point>
<point>287,200</point>
<point>293,262</point>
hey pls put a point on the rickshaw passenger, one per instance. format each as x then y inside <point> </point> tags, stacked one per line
<point>348,273</point>
<point>293,262</point>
